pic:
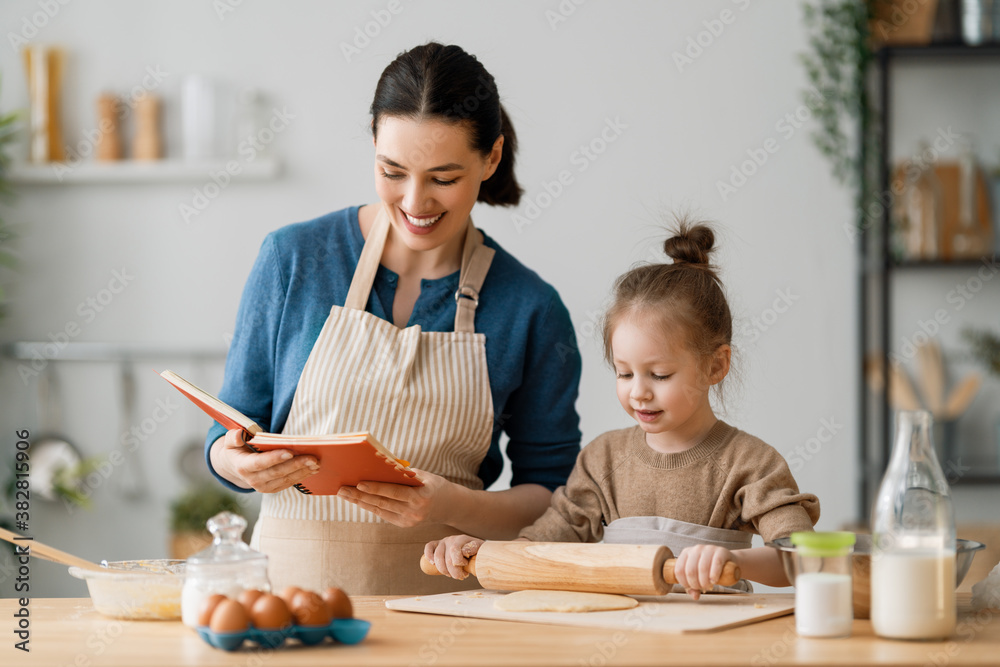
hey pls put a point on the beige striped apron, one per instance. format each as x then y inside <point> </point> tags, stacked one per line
<point>424,395</point>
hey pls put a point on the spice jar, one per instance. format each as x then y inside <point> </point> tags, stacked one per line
<point>823,604</point>
<point>228,566</point>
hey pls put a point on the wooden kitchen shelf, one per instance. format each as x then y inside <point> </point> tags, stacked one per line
<point>132,171</point>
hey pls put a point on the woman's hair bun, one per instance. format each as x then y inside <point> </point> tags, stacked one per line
<point>691,243</point>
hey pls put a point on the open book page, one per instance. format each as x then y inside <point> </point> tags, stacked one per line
<point>223,413</point>
<point>344,458</point>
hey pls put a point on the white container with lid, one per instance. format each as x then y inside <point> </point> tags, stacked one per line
<point>823,588</point>
<point>228,567</point>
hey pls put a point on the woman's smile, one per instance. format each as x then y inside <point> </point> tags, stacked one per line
<point>420,224</point>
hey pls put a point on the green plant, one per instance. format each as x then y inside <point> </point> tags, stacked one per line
<point>837,69</point>
<point>67,482</point>
<point>985,348</point>
<point>195,507</point>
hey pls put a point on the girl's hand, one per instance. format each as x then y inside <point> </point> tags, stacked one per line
<point>401,505</point>
<point>699,568</point>
<point>267,472</point>
<point>452,554</point>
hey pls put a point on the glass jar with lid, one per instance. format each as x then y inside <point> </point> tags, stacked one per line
<point>823,587</point>
<point>228,566</point>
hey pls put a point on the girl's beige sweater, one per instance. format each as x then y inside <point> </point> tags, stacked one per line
<point>729,480</point>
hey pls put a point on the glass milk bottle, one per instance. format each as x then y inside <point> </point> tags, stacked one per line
<point>913,540</point>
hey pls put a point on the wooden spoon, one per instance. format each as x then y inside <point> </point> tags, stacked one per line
<point>931,376</point>
<point>901,391</point>
<point>961,396</point>
<point>46,552</point>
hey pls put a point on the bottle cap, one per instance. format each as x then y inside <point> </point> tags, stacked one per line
<point>809,543</point>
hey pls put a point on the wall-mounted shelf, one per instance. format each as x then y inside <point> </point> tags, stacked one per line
<point>29,350</point>
<point>131,171</point>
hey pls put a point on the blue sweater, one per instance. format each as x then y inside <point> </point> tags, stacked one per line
<point>306,268</point>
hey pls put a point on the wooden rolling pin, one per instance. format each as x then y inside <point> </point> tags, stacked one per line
<point>627,569</point>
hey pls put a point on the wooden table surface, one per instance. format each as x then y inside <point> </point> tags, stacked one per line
<point>67,631</point>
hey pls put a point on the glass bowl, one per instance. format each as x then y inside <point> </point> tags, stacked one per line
<point>136,589</point>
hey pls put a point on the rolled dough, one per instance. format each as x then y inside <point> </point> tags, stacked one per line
<point>565,601</point>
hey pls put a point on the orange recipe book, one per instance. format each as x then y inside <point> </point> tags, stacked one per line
<point>344,459</point>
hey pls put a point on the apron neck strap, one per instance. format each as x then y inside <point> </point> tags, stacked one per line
<point>371,255</point>
<point>476,261</point>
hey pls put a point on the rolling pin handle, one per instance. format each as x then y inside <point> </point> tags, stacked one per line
<point>427,567</point>
<point>730,573</point>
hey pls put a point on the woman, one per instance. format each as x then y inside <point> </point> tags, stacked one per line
<point>403,319</point>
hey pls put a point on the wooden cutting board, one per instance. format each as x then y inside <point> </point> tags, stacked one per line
<point>672,614</point>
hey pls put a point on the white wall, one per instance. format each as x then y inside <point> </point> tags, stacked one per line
<point>683,132</point>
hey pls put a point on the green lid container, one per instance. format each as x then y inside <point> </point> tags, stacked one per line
<point>820,545</point>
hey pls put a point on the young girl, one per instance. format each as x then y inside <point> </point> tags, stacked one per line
<point>680,476</point>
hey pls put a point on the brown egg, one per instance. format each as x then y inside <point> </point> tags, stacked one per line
<point>337,603</point>
<point>308,608</point>
<point>288,594</point>
<point>270,612</point>
<point>248,597</point>
<point>207,606</point>
<point>229,616</point>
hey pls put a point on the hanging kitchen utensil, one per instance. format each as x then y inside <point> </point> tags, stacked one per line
<point>931,376</point>
<point>961,396</point>
<point>131,480</point>
<point>901,391</point>
<point>52,453</point>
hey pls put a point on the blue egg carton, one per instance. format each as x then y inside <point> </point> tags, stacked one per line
<point>340,630</point>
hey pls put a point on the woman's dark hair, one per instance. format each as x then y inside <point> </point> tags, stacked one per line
<point>685,297</point>
<point>446,83</point>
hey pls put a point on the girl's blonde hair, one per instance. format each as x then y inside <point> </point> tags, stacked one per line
<point>685,296</point>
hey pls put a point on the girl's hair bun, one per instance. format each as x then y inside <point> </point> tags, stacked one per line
<point>691,244</point>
